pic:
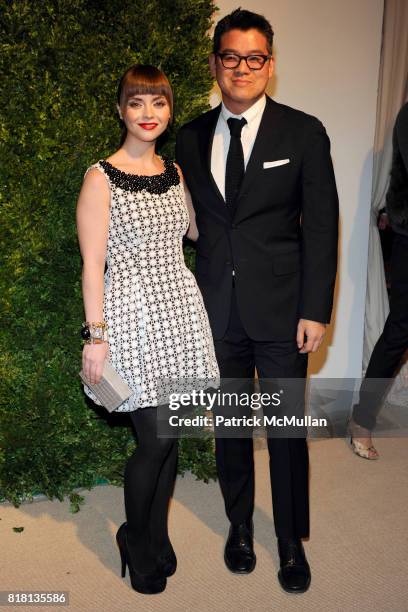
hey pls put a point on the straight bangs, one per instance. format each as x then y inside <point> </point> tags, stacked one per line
<point>141,80</point>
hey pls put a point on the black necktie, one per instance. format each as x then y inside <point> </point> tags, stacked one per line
<point>235,167</point>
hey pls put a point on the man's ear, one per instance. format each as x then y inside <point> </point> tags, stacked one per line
<point>211,62</point>
<point>271,66</point>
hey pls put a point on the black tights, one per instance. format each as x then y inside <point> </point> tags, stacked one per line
<point>148,485</point>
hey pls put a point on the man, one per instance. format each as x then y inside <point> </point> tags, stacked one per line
<point>262,184</point>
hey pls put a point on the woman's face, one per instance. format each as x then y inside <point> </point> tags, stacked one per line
<point>146,116</point>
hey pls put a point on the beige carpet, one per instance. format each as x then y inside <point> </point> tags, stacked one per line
<point>358,550</point>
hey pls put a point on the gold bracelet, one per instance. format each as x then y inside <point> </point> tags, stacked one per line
<point>102,324</point>
<point>95,341</point>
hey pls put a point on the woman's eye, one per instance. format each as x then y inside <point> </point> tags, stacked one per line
<point>160,103</point>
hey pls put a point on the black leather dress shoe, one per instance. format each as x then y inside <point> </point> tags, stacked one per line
<point>294,574</point>
<point>239,553</point>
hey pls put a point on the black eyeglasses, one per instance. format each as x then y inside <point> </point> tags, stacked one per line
<point>254,62</point>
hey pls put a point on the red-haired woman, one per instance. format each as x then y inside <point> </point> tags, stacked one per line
<point>145,313</point>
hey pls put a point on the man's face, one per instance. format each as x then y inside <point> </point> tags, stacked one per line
<point>242,86</point>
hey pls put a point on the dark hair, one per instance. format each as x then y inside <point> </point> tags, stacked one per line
<point>243,20</point>
<point>142,79</point>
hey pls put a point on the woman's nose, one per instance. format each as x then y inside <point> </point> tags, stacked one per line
<point>148,111</point>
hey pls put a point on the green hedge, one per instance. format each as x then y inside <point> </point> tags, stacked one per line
<point>60,64</point>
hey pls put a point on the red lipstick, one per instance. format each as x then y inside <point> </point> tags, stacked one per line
<point>148,126</point>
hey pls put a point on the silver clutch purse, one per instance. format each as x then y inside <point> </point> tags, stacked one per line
<point>112,390</point>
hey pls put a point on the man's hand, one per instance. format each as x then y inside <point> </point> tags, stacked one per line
<point>314,333</point>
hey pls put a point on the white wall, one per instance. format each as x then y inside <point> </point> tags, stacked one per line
<point>327,55</point>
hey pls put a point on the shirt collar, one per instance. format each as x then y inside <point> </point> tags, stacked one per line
<point>250,114</point>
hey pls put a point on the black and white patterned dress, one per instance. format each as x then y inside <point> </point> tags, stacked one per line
<point>159,334</point>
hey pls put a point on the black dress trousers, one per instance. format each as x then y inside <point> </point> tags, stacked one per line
<point>238,356</point>
<point>392,343</point>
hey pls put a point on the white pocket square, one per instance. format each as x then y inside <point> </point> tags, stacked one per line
<point>273,164</point>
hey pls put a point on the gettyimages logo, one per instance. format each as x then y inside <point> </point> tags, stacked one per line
<point>241,403</point>
<point>239,409</point>
<point>209,400</point>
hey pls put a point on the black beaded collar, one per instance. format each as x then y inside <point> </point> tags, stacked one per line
<point>158,183</point>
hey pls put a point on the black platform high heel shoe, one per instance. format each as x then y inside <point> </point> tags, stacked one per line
<point>167,563</point>
<point>148,584</point>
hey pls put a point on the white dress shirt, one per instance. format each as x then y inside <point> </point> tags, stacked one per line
<point>222,139</point>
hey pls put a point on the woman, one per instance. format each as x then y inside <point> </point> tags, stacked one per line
<point>145,313</point>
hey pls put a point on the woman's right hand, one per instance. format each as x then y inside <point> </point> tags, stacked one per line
<point>93,359</point>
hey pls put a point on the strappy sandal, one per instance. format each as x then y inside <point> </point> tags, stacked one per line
<point>360,449</point>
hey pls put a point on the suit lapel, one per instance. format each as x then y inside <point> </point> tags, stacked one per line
<point>207,148</point>
<point>268,136</point>
<point>213,197</point>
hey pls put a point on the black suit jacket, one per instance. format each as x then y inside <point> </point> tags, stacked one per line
<point>397,195</point>
<point>282,239</point>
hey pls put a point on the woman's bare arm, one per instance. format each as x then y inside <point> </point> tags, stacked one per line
<point>93,225</point>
